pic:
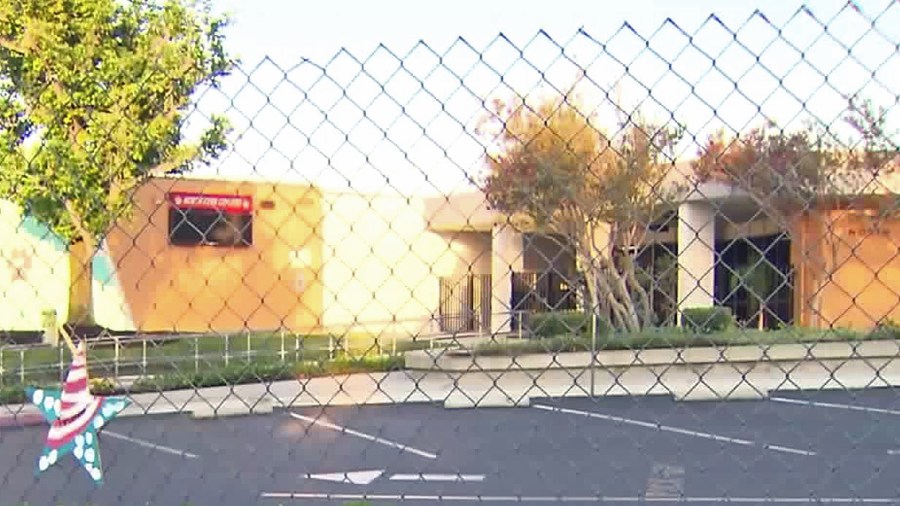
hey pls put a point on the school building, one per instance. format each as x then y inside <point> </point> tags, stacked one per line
<point>224,256</point>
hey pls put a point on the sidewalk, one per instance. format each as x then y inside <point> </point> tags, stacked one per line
<point>474,388</point>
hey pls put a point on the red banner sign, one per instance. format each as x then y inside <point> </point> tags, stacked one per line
<point>229,203</point>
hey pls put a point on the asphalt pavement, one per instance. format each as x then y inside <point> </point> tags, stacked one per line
<point>798,447</point>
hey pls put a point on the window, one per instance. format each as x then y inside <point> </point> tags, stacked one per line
<point>210,220</point>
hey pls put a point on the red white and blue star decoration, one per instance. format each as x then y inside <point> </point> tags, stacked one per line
<point>76,418</point>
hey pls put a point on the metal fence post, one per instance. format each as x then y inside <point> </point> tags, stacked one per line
<point>281,334</point>
<point>249,348</point>
<point>116,356</point>
<point>226,350</point>
<point>143,357</point>
<point>22,365</point>
<point>593,348</point>
<point>2,371</point>
<point>519,323</point>
<point>330,347</point>
<point>196,354</point>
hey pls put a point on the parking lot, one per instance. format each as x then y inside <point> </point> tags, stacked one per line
<point>791,448</point>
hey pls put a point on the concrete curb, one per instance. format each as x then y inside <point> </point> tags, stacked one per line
<point>27,416</point>
<point>229,408</point>
<point>726,373</point>
<point>442,361</point>
<point>705,393</point>
<point>21,419</point>
<point>459,400</point>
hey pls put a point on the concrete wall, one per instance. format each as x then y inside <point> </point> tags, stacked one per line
<point>34,272</point>
<point>382,264</point>
<point>464,211</point>
<point>471,252</point>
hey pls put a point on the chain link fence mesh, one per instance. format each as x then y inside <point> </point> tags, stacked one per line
<point>644,267</point>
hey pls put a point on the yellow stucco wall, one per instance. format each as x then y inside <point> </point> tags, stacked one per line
<point>269,285</point>
<point>865,285</point>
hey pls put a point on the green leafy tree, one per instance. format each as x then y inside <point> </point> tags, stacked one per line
<point>555,170</point>
<point>94,96</point>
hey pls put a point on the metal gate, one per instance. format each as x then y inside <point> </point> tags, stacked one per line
<point>465,303</point>
<point>537,292</point>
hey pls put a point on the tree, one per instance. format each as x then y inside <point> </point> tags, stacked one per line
<point>805,173</point>
<point>94,96</point>
<point>560,173</point>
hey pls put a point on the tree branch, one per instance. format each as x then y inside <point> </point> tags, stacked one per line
<point>78,223</point>
<point>13,46</point>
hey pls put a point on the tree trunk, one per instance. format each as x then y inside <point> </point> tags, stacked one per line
<point>624,297</point>
<point>601,291</point>
<point>761,319</point>
<point>81,300</point>
<point>646,307</point>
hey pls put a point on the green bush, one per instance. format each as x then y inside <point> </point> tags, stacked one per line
<point>265,372</point>
<point>235,374</point>
<point>706,320</point>
<point>104,386</point>
<point>557,323</point>
<point>12,395</point>
<point>886,329</point>
<point>515,347</point>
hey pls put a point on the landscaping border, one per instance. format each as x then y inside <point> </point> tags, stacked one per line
<point>466,361</point>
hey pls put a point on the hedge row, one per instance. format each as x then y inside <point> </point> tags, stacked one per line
<point>702,320</point>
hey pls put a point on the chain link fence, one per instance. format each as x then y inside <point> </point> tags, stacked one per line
<point>640,266</point>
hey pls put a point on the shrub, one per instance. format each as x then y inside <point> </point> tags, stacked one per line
<point>557,323</point>
<point>241,373</point>
<point>516,347</point>
<point>265,372</point>
<point>104,386</point>
<point>886,329</point>
<point>12,395</point>
<point>706,320</point>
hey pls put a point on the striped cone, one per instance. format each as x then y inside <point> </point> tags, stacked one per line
<point>76,417</point>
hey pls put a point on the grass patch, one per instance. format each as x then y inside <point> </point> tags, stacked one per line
<point>46,364</point>
<point>661,338</point>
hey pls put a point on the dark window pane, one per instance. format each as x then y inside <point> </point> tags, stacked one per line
<point>195,227</point>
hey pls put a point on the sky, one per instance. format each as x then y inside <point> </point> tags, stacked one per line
<point>384,96</point>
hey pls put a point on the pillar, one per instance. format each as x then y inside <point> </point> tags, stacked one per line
<point>507,256</point>
<point>696,255</point>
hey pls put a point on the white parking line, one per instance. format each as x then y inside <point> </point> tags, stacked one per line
<point>847,407</point>
<point>147,444</point>
<point>676,430</point>
<point>374,439</point>
<point>578,499</point>
<point>438,477</point>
